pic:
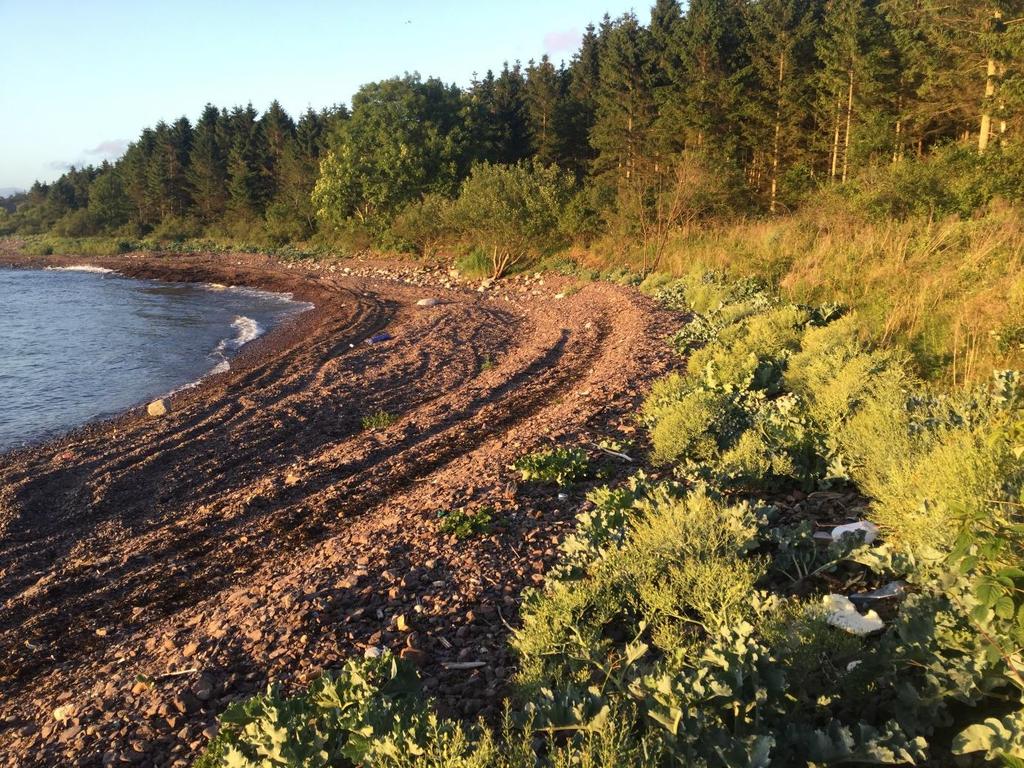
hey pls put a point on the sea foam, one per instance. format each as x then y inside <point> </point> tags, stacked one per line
<point>81,268</point>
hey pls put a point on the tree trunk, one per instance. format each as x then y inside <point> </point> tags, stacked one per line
<point>986,109</point>
<point>897,150</point>
<point>849,122</point>
<point>985,129</point>
<point>778,131</point>
<point>835,142</point>
<point>629,148</point>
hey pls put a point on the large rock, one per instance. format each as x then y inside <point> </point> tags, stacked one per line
<point>158,408</point>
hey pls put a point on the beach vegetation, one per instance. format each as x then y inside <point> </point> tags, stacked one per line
<point>464,524</point>
<point>378,420</point>
<point>559,466</point>
<point>692,619</point>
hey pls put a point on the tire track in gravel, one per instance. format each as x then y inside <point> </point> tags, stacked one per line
<point>137,524</point>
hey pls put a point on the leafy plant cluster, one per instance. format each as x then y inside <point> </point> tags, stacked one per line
<point>378,420</point>
<point>464,524</point>
<point>558,466</point>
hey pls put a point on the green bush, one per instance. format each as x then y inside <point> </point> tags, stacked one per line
<point>512,212</point>
<point>954,180</point>
<point>378,420</point>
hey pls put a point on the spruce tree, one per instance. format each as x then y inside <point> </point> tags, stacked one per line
<point>544,95</point>
<point>623,131</point>
<point>854,81</point>
<point>247,165</point>
<point>712,50</point>
<point>580,105</point>
<point>781,52</point>
<point>207,172</point>
<point>511,115</point>
<point>278,130</point>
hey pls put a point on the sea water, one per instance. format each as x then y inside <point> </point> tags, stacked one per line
<point>82,343</point>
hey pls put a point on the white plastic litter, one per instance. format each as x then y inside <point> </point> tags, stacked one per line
<point>888,591</point>
<point>870,530</point>
<point>844,615</point>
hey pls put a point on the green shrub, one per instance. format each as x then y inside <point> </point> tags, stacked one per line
<point>688,427</point>
<point>425,224</point>
<point>511,212</point>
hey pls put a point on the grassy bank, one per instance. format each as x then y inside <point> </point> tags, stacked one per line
<point>949,290</point>
<point>700,616</point>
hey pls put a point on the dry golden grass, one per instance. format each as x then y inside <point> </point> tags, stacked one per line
<point>947,289</point>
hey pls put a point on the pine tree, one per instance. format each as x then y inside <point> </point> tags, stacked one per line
<point>207,172</point>
<point>781,53</point>
<point>623,131</point>
<point>544,94</point>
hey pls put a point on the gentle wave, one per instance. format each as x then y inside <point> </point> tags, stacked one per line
<point>246,330</point>
<point>81,268</point>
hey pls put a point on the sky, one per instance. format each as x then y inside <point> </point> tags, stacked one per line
<point>80,79</point>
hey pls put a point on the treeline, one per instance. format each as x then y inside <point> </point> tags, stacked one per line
<point>727,106</point>
<point>228,171</point>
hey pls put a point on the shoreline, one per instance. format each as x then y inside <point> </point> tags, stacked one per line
<point>260,533</point>
<point>225,365</point>
<point>141,266</point>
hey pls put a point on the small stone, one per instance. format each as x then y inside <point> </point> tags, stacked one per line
<point>429,302</point>
<point>186,703</point>
<point>203,688</point>
<point>158,408</point>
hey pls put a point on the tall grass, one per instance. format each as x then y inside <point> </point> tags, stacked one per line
<point>950,290</point>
